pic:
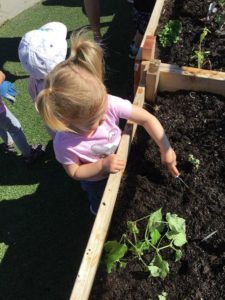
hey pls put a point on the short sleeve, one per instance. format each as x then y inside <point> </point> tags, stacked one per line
<point>120,107</point>
<point>34,87</point>
<point>64,152</point>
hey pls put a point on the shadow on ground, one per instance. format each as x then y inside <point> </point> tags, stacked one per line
<point>47,232</point>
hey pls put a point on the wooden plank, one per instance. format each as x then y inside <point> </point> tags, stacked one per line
<point>148,48</point>
<point>152,79</point>
<point>92,254</point>
<point>173,78</point>
<point>144,52</point>
<point>140,70</point>
<point>154,20</point>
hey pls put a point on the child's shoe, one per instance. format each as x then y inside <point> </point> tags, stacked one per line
<point>8,148</point>
<point>36,152</point>
<point>133,50</point>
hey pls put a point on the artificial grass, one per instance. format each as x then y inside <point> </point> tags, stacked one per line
<point>44,215</point>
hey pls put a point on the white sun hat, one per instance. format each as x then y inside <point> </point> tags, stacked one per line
<point>42,49</point>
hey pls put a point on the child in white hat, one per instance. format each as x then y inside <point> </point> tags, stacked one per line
<point>40,51</point>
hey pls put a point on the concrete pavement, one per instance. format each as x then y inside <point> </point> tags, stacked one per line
<point>10,8</point>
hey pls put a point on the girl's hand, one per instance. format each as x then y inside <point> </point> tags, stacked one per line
<point>113,164</point>
<point>169,159</point>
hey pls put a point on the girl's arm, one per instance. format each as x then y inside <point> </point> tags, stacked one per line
<point>104,166</point>
<point>156,131</point>
<point>2,77</point>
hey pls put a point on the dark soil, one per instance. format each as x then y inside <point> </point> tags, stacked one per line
<point>193,16</point>
<point>195,124</point>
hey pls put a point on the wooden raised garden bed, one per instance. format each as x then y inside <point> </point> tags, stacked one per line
<point>194,16</point>
<point>195,124</point>
<point>145,175</point>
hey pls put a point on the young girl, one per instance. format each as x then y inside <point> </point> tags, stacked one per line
<point>76,105</point>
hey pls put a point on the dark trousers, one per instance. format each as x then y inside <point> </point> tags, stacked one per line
<point>95,190</point>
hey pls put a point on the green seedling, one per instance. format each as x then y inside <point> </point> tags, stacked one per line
<point>170,34</point>
<point>194,161</point>
<point>220,21</point>
<point>220,17</point>
<point>163,296</point>
<point>200,55</point>
<point>159,235</point>
<point>221,3</point>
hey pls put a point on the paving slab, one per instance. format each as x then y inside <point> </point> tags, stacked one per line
<point>10,8</point>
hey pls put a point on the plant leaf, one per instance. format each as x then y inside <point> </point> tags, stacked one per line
<point>154,220</point>
<point>176,223</point>
<point>155,236</point>
<point>123,264</point>
<point>132,227</point>
<point>158,267</point>
<point>154,271</point>
<point>179,239</point>
<point>114,252</point>
<point>163,296</point>
<point>178,255</point>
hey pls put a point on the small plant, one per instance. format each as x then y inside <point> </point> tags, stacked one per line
<point>194,161</point>
<point>220,17</point>
<point>158,236</point>
<point>220,21</point>
<point>170,33</point>
<point>200,55</point>
<point>163,296</point>
<point>221,3</point>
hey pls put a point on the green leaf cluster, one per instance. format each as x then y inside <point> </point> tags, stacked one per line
<point>158,236</point>
<point>163,296</point>
<point>194,161</point>
<point>170,33</point>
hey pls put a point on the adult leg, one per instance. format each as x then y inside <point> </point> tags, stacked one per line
<point>92,8</point>
<point>10,124</point>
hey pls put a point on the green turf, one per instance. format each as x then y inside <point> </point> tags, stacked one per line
<point>44,215</point>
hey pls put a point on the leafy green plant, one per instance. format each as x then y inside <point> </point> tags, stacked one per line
<point>158,236</point>
<point>200,55</point>
<point>170,33</point>
<point>194,161</point>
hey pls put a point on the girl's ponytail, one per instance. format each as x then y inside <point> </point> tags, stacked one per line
<point>87,54</point>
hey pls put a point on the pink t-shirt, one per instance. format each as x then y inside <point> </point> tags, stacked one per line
<point>2,106</point>
<point>34,87</point>
<point>71,148</point>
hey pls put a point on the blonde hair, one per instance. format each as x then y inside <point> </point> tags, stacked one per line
<point>87,52</point>
<point>72,93</point>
